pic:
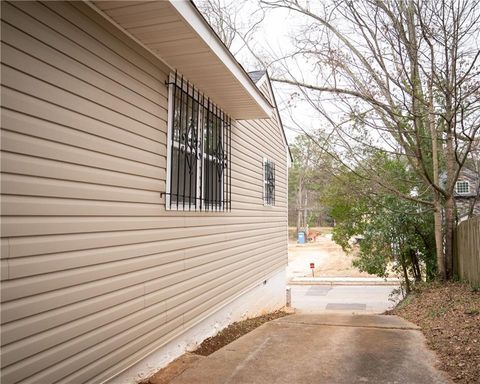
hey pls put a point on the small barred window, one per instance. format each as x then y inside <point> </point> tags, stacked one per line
<point>268,182</point>
<point>462,187</point>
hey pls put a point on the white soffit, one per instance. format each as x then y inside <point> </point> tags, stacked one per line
<point>178,34</point>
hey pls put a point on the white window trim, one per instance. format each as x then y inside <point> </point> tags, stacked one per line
<point>168,205</point>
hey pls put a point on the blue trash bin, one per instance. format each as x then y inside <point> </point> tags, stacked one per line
<point>301,238</point>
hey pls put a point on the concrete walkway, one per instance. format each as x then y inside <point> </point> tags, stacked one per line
<point>371,299</point>
<point>344,280</point>
<point>323,348</point>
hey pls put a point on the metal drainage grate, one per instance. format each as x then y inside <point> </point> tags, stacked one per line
<point>346,306</point>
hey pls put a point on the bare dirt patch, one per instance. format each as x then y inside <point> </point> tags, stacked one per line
<point>449,315</point>
<point>339,263</point>
<point>234,331</point>
<point>329,258</point>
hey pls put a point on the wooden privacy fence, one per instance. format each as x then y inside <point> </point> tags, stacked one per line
<point>467,250</point>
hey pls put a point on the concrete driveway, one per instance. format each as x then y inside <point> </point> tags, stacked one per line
<point>323,348</point>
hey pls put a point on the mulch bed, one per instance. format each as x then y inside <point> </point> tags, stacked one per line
<point>234,331</point>
<point>449,315</point>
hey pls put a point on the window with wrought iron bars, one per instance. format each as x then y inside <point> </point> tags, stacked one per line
<point>199,155</point>
<point>268,182</point>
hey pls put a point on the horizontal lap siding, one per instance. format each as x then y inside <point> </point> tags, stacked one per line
<point>95,273</point>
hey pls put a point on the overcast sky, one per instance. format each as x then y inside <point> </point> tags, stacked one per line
<point>273,38</point>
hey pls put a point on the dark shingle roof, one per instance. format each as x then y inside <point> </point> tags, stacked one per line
<point>256,75</point>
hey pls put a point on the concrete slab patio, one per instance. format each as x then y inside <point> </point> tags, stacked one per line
<point>322,348</point>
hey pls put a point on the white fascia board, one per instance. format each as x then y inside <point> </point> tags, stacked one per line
<point>192,16</point>
<point>279,119</point>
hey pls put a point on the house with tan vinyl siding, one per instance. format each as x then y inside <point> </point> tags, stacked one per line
<point>144,189</point>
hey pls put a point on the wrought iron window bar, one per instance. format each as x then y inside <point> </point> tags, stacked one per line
<point>269,172</point>
<point>200,151</point>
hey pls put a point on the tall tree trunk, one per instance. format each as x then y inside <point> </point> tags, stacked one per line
<point>450,151</point>
<point>449,216</point>
<point>405,272</point>
<point>449,227</point>
<point>415,266</point>
<point>437,217</point>
<point>437,206</point>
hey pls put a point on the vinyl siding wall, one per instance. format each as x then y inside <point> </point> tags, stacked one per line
<point>96,273</point>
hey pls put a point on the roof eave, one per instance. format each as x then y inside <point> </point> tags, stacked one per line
<point>210,65</point>
<point>194,18</point>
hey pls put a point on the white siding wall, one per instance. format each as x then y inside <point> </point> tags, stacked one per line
<point>95,273</point>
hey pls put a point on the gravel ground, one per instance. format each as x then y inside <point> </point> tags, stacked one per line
<point>449,315</point>
<point>234,331</point>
